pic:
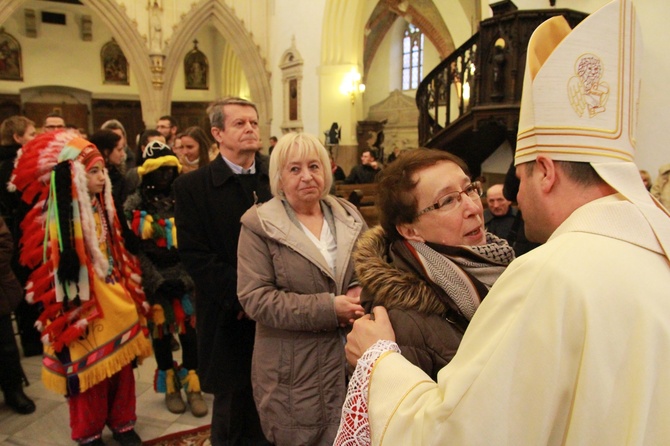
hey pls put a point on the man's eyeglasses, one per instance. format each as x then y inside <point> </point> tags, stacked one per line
<point>54,127</point>
<point>452,200</point>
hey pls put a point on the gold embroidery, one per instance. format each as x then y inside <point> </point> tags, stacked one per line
<point>585,90</point>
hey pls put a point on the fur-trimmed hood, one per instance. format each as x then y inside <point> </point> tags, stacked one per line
<point>387,280</point>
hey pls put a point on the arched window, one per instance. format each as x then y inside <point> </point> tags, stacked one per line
<point>412,57</point>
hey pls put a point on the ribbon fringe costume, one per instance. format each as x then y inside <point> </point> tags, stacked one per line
<point>169,288</point>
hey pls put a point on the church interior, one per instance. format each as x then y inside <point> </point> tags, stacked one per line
<point>306,64</point>
<point>390,73</point>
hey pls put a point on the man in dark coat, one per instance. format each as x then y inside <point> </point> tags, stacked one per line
<point>500,215</point>
<point>209,204</point>
<point>367,171</point>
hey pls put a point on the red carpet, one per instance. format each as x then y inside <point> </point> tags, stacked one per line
<point>193,437</point>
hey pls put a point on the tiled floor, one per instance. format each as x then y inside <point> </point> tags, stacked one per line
<point>49,424</point>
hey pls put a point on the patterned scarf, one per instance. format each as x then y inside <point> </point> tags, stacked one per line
<point>465,273</point>
<point>454,269</point>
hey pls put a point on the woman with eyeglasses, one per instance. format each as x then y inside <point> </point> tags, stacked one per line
<point>431,262</point>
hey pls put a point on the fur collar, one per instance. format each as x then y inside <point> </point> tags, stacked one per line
<point>388,281</point>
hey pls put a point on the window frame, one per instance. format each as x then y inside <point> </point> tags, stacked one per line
<point>412,57</point>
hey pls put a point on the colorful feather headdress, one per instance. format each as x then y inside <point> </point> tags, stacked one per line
<point>60,242</point>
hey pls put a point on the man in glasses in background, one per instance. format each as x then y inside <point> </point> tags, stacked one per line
<point>53,122</point>
<point>167,125</point>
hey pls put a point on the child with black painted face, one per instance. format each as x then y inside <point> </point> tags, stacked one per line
<point>169,288</point>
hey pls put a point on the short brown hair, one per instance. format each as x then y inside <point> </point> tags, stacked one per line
<point>217,117</point>
<point>114,124</point>
<point>395,200</point>
<point>580,172</point>
<point>14,125</point>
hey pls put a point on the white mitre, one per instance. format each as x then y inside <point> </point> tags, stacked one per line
<point>580,102</point>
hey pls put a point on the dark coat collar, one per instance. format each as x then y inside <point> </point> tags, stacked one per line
<point>221,172</point>
<point>8,152</point>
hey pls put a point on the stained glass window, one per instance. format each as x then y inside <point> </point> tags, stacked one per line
<point>412,57</point>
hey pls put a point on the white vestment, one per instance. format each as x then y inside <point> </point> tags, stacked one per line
<point>571,346</point>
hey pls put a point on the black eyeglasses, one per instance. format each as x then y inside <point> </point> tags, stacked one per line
<point>452,200</point>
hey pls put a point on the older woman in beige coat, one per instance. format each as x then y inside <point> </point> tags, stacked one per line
<point>296,280</point>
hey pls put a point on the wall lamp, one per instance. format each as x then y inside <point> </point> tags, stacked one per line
<point>351,85</point>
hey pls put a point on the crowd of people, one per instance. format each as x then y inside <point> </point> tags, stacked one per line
<point>454,320</point>
<point>91,269</point>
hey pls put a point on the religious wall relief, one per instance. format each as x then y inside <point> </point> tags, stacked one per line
<point>10,57</point>
<point>196,69</point>
<point>114,64</point>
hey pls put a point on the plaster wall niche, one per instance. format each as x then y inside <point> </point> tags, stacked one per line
<point>402,116</point>
<point>291,66</point>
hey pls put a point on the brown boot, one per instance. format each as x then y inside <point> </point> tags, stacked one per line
<point>173,399</point>
<point>191,384</point>
<point>197,404</point>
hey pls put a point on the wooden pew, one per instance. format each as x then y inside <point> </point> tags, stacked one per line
<point>364,196</point>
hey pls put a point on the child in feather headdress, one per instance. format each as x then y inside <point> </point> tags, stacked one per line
<point>93,323</point>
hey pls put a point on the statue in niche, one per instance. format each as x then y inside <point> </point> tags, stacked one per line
<point>156,27</point>
<point>293,99</point>
<point>498,90</point>
<point>196,69</point>
<point>10,57</point>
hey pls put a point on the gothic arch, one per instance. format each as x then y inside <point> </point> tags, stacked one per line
<point>341,16</point>
<point>133,45</point>
<point>7,8</point>
<point>427,18</point>
<point>342,37</point>
<point>126,35</point>
<point>238,37</point>
<point>424,15</point>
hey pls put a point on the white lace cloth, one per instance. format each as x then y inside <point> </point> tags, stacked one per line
<point>354,427</point>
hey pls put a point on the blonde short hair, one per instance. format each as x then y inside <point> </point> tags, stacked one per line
<point>303,145</point>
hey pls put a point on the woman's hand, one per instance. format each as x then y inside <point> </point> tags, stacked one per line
<point>368,330</point>
<point>354,291</point>
<point>348,309</point>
